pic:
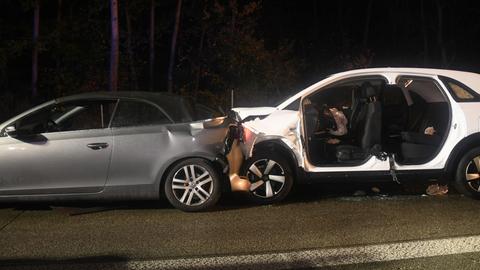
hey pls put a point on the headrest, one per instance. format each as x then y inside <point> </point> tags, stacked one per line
<point>368,90</point>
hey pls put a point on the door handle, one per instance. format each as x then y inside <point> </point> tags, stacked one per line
<point>97,146</point>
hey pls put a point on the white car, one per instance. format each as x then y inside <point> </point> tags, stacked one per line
<point>403,124</point>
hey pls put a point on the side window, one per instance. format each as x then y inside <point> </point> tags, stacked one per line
<point>459,91</point>
<point>69,116</point>
<point>82,116</point>
<point>294,106</point>
<point>132,113</point>
<point>420,90</point>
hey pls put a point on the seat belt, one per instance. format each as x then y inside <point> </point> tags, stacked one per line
<point>391,161</point>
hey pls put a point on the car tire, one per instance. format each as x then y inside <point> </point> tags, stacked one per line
<point>270,177</point>
<point>467,176</point>
<point>193,185</point>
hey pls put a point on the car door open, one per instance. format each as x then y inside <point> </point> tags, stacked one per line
<point>342,126</point>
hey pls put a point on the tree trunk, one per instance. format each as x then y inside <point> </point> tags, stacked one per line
<point>59,29</point>
<point>114,50</point>
<point>441,43</point>
<point>36,29</point>
<point>133,72</point>
<point>234,7</point>
<point>424,33</point>
<point>341,15</point>
<point>59,11</point>
<point>393,9</point>
<point>58,57</point>
<point>367,24</point>
<point>152,45</point>
<point>315,20</point>
<point>200,63</point>
<point>174,46</point>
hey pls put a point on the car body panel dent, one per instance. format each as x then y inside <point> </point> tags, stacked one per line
<point>153,149</point>
<point>244,112</point>
<point>280,125</point>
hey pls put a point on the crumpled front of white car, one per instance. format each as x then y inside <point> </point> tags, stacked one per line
<point>257,125</point>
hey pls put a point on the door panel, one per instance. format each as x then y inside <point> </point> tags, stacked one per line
<point>55,163</point>
<point>59,148</point>
<point>139,153</point>
<point>141,143</point>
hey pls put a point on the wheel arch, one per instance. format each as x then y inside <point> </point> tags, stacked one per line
<point>467,143</point>
<point>278,146</point>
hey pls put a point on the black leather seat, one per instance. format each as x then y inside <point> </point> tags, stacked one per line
<point>357,100</point>
<point>418,147</point>
<point>369,130</point>
<point>395,110</point>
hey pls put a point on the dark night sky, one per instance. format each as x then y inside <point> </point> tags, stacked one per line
<point>395,32</point>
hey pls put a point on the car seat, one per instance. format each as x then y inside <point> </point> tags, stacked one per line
<point>417,146</point>
<point>368,135</point>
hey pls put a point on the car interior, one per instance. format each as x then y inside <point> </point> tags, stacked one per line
<point>348,122</point>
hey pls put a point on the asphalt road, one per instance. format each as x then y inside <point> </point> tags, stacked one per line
<point>313,218</point>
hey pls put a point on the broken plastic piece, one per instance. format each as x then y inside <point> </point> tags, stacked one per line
<point>437,190</point>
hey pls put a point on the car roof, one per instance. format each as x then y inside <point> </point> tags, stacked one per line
<point>156,97</point>
<point>454,74</point>
<point>174,105</point>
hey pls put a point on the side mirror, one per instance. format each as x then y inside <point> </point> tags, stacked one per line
<point>11,131</point>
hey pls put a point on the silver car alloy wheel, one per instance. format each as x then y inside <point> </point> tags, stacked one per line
<point>267,178</point>
<point>192,185</point>
<point>472,174</point>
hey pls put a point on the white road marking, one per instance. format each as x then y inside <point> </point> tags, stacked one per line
<point>300,259</point>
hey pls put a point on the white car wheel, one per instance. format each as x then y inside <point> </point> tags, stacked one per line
<point>270,178</point>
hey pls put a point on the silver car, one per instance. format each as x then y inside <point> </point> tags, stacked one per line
<point>123,145</point>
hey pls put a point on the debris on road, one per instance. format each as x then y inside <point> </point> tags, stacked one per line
<point>437,190</point>
<point>359,193</point>
<point>378,192</point>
